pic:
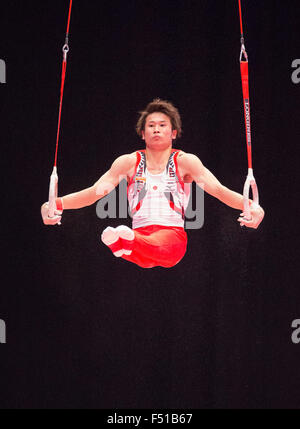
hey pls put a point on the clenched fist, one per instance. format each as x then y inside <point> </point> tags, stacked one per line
<point>50,220</point>
<point>257,215</point>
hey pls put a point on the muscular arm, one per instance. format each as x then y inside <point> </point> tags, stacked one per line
<point>192,166</point>
<point>119,170</point>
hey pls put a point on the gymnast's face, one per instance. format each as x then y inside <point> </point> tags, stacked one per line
<point>158,133</point>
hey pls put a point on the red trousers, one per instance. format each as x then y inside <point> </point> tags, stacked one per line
<point>157,245</point>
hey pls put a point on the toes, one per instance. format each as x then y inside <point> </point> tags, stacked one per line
<point>127,237</point>
<point>109,236</point>
<point>125,232</point>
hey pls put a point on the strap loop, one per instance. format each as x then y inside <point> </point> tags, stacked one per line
<point>250,182</point>
<point>53,185</point>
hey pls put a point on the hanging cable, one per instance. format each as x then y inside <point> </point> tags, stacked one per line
<point>250,180</point>
<point>53,186</point>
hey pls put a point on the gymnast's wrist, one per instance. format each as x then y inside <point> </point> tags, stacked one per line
<point>59,204</point>
<point>253,205</point>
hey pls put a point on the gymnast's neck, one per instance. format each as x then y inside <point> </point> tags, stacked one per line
<point>157,157</point>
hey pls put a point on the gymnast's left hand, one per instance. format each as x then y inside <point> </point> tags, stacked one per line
<point>257,215</point>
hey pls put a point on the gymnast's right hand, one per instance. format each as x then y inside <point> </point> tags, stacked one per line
<point>50,220</point>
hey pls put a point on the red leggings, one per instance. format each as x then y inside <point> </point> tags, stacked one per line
<point>157,245</point>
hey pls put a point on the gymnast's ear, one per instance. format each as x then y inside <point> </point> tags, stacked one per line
<point>143,135</point>
<point>174,134</point>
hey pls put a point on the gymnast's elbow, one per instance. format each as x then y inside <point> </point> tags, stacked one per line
<point>99,190</point>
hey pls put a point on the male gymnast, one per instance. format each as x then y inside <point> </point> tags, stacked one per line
<point>158,180</point>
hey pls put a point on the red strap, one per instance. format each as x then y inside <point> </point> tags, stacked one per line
<point>245,86</point>
<point>63,76</point>
<point>245,78</point>
<point>241,22</point>
<point>69,17</point>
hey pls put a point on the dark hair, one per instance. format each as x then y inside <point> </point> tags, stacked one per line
<point>163,106</point>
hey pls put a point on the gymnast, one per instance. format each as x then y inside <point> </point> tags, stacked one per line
<point>158,191</point>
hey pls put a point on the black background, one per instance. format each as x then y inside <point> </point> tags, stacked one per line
<point>87,330</point>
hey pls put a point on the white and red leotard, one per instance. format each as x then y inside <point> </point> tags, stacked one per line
<point>157,203</point>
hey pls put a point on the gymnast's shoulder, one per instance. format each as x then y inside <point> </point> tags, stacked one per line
<point>188,160</point>
<point>125,161</point>
<point>124,165</point>
<point>189,166</point>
